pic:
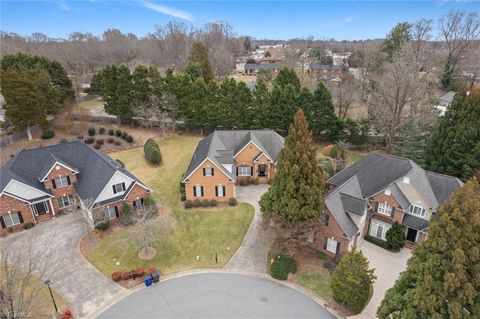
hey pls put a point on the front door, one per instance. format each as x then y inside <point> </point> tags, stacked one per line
<point>41,208</point>
<point>262,170</point>
<point>412,235</point>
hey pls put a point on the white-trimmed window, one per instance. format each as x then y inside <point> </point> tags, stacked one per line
<point>208,171</point>
<point>332,245</point>
<point>244,171</point>
<point>66,201</point>
<point>61,182</point>
<point>379,229</point>
<point>110,213</point>
<point>417,210</point>
<point>11,219</point>
<point>138,204</point>
<point>198,191</point>
<point>385,209</point>
<point>40,208</point>
<point>220,191</point>
<point>118,188</point>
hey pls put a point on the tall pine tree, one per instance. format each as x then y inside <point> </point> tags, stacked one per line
<point>297,190</point>
<point>442,279</point>
<point>198,64</point>
<point>321,112</point>
<point>411,142</point>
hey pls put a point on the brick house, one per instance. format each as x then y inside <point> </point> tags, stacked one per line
<point>325,73</point>
<point>253,68</point>
<point>223,158</point>
<point>39,183</point>
<point>367,197</point>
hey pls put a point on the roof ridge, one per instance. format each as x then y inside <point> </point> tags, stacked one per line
<point>363,198</point>
<point>441,174</point>
<point>47,146</point>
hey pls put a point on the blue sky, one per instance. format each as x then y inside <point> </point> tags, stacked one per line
<point>262,19</point>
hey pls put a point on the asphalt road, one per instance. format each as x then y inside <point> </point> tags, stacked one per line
<point>217,295</point>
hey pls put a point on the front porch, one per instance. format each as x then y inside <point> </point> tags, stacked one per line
<point>42,210</point>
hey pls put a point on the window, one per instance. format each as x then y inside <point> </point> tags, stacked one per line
<point>417,210</point>
<point>117,188</point>
<point>324,219</point>
<point>385,209</point>
<point>40,208</point>
<point>220,191</point>
<point>198,191</point>
<point>138,204</point>
<point>378,229</point>
<point>208,171</point>
<point>244,171</point>
<point>331,245</point>
<point>12,219</point>
<point>66,201</point>
<point>61,182</point>
<point>110,213</point>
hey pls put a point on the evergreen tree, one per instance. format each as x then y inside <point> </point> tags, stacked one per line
<point>283,105</point>
<point>29,96</point>
<point>198,64</point>
<point>297,190</point>
<point>142,90</point>
<point>261,103</point>
<point>322,115</point>
<point>454,146</point>
<point>287,76</point>
<point>395,236</point>
<point>411,142</point>
<point>352,280</point>
<point>396,38</point>
<point>442,277</point>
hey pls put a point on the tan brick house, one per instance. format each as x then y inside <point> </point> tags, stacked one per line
<point>367,197</point>
<point>223,158</point>
<point>39,183</point>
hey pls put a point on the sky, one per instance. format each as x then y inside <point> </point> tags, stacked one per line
<point>281,20</point>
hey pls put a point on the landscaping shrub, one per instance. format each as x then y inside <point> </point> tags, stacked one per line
<point>213,203</point>
<point>111,132</point>
<point>395,236</point>
<point>110,140</point>
<point>232,201</point>
<point>197,203</point>
<point>149,202</point>
<point>48,134</point>
<point>117,143</point>
<point>28,225</point>
<point>116,276</point>
<point>120,162</point>
<point>97,146</point>
<point>101,130</point>
<point>103,225</point>
<point>63,140</point>
<point>118,133</point>
<point>327,149</point>
<point>183,197</point>
<point>327,166</point>
<point>100,141</point>
<point>129,139</point>
<point>150,270</point>
<point>79,137</point>
<point>140,272</point>
<point>124,135</point>
<point>188,204</point>
<point>91,131</point>
<point>334,152</point>
<point>281,266</point>
<point>205,203</point>
<point>329,265</point>
<point>243,182</point>
<point>126,215</point>
<point>126,275</point>
<point>89,140</point>
<point>12,229</point>
<point>376,241</point>
<point>152,152</point>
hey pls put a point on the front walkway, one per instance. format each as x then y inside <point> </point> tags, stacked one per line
<point>76,280</point>
<point>251,257</point>
<point>388,267</point>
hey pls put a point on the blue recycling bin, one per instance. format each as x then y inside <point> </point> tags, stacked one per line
<point>148,281</point>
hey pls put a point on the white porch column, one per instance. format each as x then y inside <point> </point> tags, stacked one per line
<point>51,206</point>
<point>33,214</point>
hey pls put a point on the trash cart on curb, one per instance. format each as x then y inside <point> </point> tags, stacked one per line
<point>148,281</point>
<point>155,277</point>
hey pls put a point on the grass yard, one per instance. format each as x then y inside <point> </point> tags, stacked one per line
<point>197,232</point>
<point>317,280</point>
<point>91,104</point>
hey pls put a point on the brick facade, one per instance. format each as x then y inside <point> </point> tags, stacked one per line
<point>245,158</point>
<point>209,183</point>
<point>323,232</point>
<point>60,171</point>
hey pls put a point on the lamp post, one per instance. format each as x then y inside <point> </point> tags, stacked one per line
<point>51,294</point>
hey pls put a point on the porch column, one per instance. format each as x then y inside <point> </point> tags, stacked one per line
<point>33,214</point>
<point>51,206</point>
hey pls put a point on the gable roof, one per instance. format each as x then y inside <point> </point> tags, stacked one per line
<point>95,168</point>
<point>221,146</point>
<point>375,173</point>
<point>48,166</point>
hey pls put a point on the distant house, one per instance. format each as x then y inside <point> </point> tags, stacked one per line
<point>445,102</point>
<point>252,68</point>
<point>39,183</point>
<point>224,158</point>
<point>367,197</point>
<point>325,72</point>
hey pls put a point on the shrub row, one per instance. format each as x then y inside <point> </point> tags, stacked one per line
<point>376,241</point>
<point>152,152</point>
<point>281,266</point>
<point>248,180</point>
<point>123,134</point>
<point>126,275</point>
<point>199,203</point>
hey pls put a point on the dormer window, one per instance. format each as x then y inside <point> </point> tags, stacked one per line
<point>385,209</point>
<point>417,210</point>
<point>61,182</point>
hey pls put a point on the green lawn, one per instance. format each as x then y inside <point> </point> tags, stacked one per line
<point>91,104</point>
<point>199,232</point>
<point>317,280</point>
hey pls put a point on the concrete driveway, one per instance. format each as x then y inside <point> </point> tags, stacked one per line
<point>78,282</point>
<point>388,267</point>
<point>217,295</point>
<point>251,257</point>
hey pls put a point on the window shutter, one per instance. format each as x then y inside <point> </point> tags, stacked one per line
<point>251,170</point>
<point>201,191</point>
<point>204,173</point>
<point>338,247</point>
<point>123,186</point>
<point>213,171</point>
<point>376,207</point>
<point>393,211</point>
<point>2,222</point>
<point>141,201</point>
<point>116,212</point>
<point>68,180</point>
<point>237,170</point>
<point>325,243</point>
<point>223,187</point>
<point>20,217</point>
<point>216,190</point>
<point>53,184</point>
<point>114,190</point>
<point>194,191</point>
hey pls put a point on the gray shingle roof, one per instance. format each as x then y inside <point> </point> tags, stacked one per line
<point>353,204</point>
<point>52,159</point>
<point>95,168</point>
<point>415,222</point>
<point>257,66</point>
<point>443,185</point>
<point>221,146</point>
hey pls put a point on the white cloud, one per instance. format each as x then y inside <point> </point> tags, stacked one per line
<point>166,10</point>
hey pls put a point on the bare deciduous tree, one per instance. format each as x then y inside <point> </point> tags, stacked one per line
<point>158,111</point>
<point>346,94</point>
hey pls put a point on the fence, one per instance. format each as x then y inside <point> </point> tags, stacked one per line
<point>8,139</point>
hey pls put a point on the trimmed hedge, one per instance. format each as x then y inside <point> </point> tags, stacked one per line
<point>281,266</point>
<point>205,203</point>
<point>152,152</point>
<point>129,139</point>
<point>111,132</point>
<point>118,133</point>
<point>377,241</point>
<point>101,130</point>
<point>232,201</point>
<point>103,225</point>
<point>395,236</point>
<point>188,204</point>
<point>48,134</point>
<point>91,131</point>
